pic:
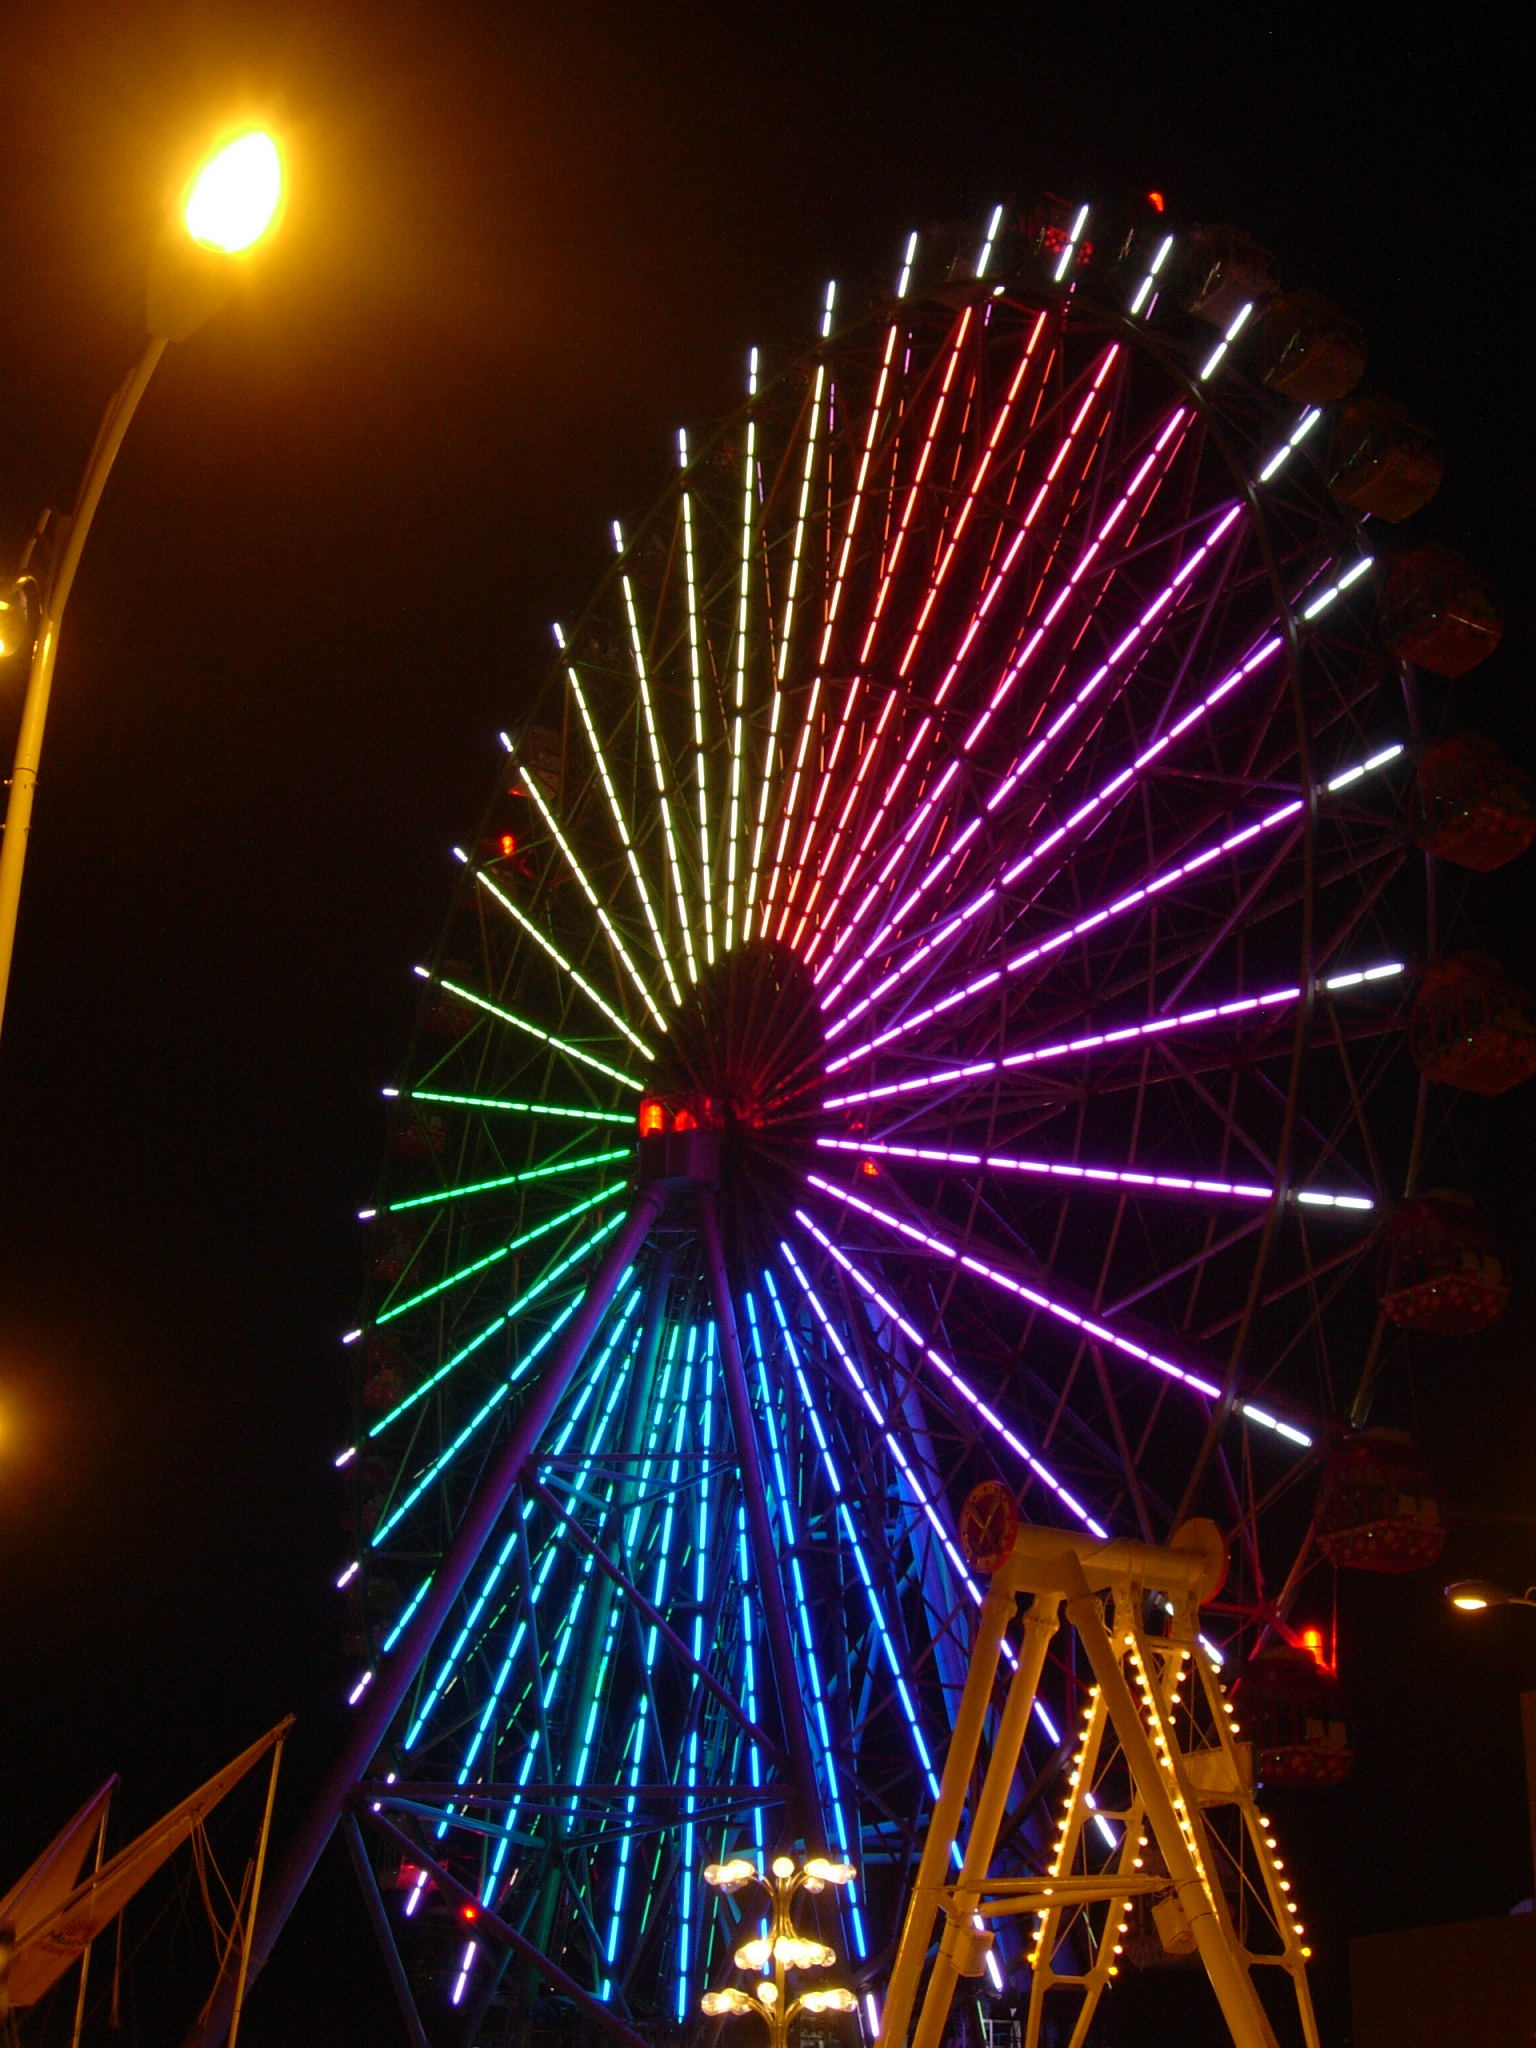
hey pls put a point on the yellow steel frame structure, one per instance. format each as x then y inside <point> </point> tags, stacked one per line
<point>1180,1767</point>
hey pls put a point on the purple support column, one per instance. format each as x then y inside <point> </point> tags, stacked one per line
<point>392,1681</point>
<point>775,1613</point>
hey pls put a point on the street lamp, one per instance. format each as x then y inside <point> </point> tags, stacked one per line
<point>783,1948</point>
<point>1473,1595</point>
<point>227,213</point>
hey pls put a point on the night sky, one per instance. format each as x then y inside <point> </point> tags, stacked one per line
<point>523,245</point>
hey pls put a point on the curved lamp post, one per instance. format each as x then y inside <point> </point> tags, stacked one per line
<point>229,210</point>
<point>1473,1595</point>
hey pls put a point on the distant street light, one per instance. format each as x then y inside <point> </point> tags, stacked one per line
<point>229,211</point>
<point>1473,1595</point>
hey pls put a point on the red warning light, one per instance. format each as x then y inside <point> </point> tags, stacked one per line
<point>468,1913</point>
<point>1155,201</point>
<point>508,845</point>
<point>653,1117</point>
<point>868,1166</point>
<point>685,1120</point>
<point>1312,1641</point>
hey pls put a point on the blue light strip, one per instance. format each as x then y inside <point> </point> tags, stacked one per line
<point>877,1616</point>
<point>803,1609</point>
<point>700,1580</point>
<point>493,1576</point>
<point>445,1458</point>
<point>861,1388</point>
<point>635,1739</point>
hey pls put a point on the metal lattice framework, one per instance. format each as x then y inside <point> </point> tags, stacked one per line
<point>973,784</point>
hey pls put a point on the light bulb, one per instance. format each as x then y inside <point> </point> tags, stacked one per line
<point>235,196</point>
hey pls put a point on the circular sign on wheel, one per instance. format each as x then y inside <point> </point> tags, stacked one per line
<point>989,1521</point>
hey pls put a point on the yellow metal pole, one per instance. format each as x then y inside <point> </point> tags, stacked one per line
<point>1229,1980</point>
<point>250,1915</point>
<point>1040,1626</point>
<point>55,595</point>
<point>85,1959</point>
<point>996,1610</point>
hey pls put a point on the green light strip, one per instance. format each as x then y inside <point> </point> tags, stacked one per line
<point>591,1116</point>
<point>506,1180</point>
<point>501,1252</point>
<point>588,1059</point>
<point>560,961</point>
<point>540,1287</point>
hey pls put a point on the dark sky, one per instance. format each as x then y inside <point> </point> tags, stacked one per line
<point>523,245</point>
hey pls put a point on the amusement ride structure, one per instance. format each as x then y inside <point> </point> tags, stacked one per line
<point>928,1003</point>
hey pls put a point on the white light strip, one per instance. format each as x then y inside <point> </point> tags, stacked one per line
<point>749,485</point>
<point>985,256</point>
<point>1164,247</point>
<point>653,737</point>
<point>906,265</point>
<point>696,673</point>
<point>1214,359</point>
<point>1069,251</point>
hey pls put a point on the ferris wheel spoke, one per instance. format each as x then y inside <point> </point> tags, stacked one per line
<point>835,599</point>
<point>658,767</point>
<point>781,662</point>
<point>1156,466</point>
<point>1161,879</point>
<point>509,1104</point>
<point>395,1309</point>
<point>565,1046</point>
<point>610,930</point>
<point>615,809</point>
<point>997,579</point>
<point>490,1584</point>
<point>1254,1007</point>
<point>554,1169</point>
<point>953,1379</point>
<point>696,678</point>
<point>878,1622</point>
<point>737,795</point>
<point>1107,1177</point>
<point>567,967</point>
<point>999,1277</point>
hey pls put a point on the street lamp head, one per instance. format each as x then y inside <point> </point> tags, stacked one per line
<point>1473,1595</point>
<point>235,196</point>
<point>732,1875</point>
<point>16,625</point>
<point>225,216</point>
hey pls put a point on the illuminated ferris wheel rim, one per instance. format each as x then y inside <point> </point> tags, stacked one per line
<point>1296,997</point>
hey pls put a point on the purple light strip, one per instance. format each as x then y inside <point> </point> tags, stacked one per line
<point>1031,954</point>
<point>1112,1176</point>
<point>972,1590</point>
<point>1086,810</point>
<point>877,1415</point>
<point>956,1380</point>
<point>1239,1006</point>
<point>1026,760</point>
<point>1158,882</point>
<point>997,1162</point>
<point>943,1249</point>
<point>1011,675</point>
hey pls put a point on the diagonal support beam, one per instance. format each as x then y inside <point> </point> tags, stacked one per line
<point>396,1672</point>
<point>770,1585</point>
<point>383,1932</point>
<point>653,1615</point>
<point>491,1928</point>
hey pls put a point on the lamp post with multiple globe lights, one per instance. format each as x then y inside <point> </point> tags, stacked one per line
<point>783,1948</point>
<point>229,210</point>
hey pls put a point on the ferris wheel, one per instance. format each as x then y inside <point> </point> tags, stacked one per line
<point>925,1004</point>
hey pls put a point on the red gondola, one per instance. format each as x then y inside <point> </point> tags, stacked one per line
<point>1293,1710</point>
<point>1380,1508</point>
<point>1442,1268</point>
<point>1439,613</point>
<point>1309,350</point>
<point>1472,1027</point>
<point>1382,461</point>
<point>1470,805</point>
